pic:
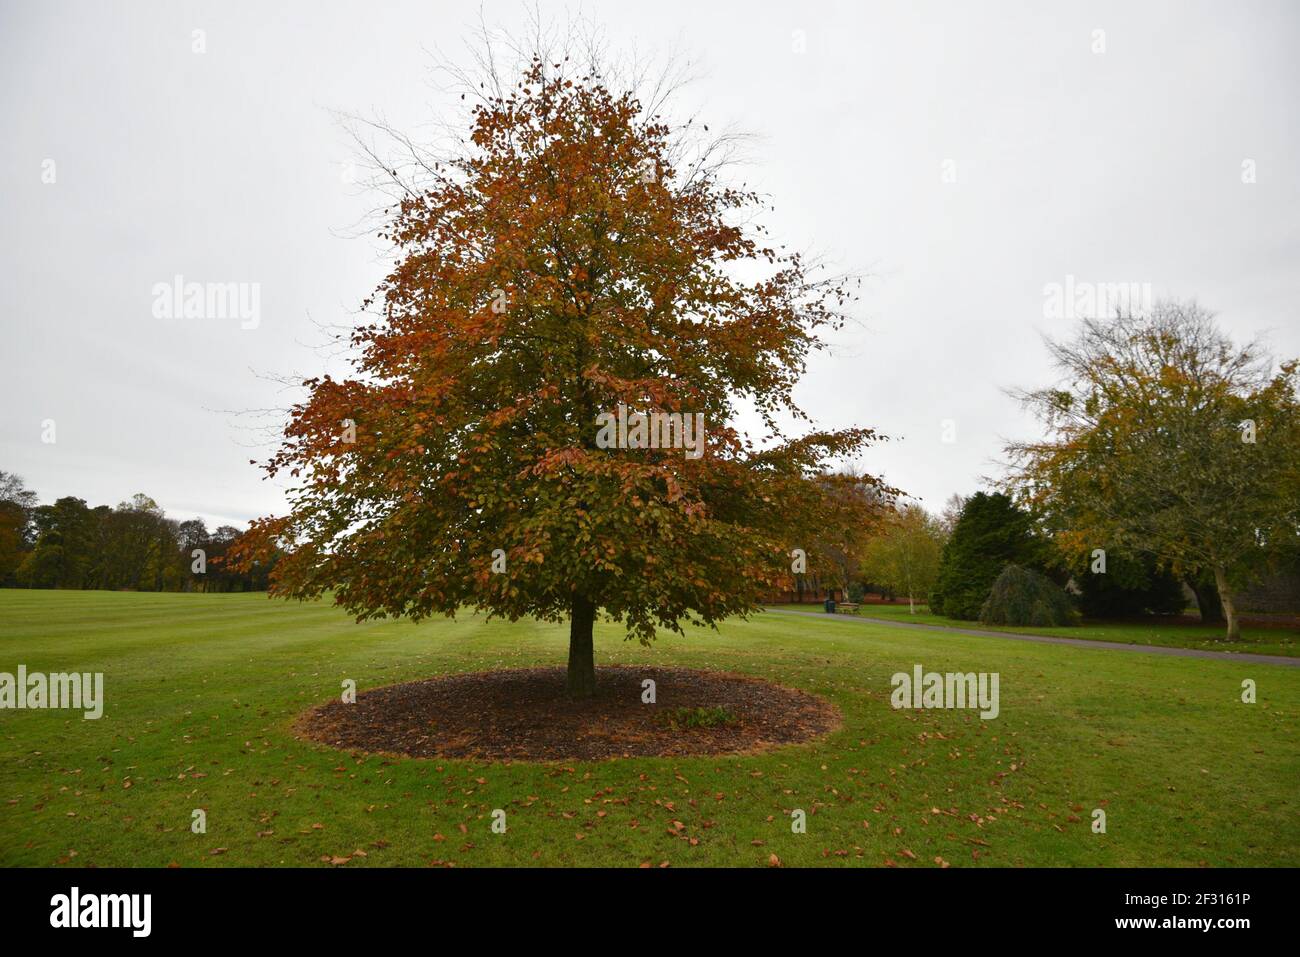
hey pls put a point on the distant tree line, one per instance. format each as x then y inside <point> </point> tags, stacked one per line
<point>134,546</point>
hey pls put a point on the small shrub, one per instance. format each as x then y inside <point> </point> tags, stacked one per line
<point>680,719</point>
<point>1021,596</point>
<point>856,591</point>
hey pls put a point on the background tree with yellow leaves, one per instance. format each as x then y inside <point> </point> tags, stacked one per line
<point>1166,437</point>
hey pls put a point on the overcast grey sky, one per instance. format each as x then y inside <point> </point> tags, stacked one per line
<point>967,154</point>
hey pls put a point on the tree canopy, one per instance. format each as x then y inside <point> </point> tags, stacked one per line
<point>562,271</point>
<point>1168,438</point>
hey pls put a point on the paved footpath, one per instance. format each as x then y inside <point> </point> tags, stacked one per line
<point>1053,640</point>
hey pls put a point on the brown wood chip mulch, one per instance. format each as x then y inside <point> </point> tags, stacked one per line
<point>525,715</point>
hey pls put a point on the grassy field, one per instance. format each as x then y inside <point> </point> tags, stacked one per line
<point>202,691</point>
<point>1260,641</point>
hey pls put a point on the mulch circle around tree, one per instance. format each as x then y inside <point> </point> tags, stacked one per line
<point>525,715</point>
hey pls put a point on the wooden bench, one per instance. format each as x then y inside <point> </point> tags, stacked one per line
<point>846,608</point>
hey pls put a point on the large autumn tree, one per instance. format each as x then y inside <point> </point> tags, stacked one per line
<point>1166,437</point>
<point>562,267</point>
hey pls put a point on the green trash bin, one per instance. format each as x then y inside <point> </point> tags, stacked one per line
<point>830,606</point>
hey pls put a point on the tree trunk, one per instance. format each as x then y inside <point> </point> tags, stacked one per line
<point>1207,601</point>
<point>1225,597</point>
<point>581,680</point>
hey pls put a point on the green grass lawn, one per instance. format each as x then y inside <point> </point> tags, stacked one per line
<point>1260,641</point>
<point>202,689</point>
